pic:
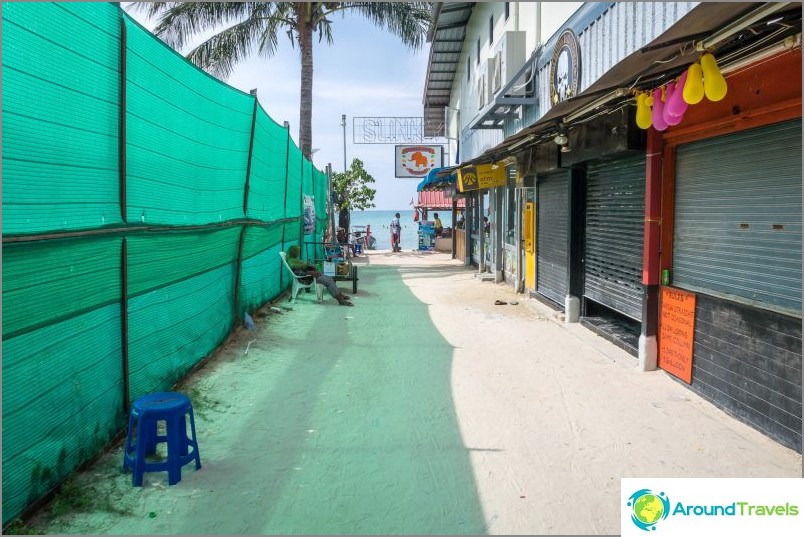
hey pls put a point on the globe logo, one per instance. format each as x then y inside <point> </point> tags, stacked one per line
<point>648,508</point>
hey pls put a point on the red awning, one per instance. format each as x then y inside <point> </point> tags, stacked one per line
<point>436,199</point>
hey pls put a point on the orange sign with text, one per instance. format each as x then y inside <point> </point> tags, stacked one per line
<point>677,332</point>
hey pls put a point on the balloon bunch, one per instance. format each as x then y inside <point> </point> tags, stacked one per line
<point>665,106</point>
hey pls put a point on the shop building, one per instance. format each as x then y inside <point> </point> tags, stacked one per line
<point>616,225</point>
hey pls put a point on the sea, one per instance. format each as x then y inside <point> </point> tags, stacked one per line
<point>380,226</point>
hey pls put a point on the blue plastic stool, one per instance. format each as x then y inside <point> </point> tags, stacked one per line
<point>142,436</point>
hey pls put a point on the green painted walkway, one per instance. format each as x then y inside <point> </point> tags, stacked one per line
<point>339,420</point>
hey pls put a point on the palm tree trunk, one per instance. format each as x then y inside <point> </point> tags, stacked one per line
<point>305,29</point>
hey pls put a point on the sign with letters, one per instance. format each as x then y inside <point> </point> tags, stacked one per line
<point>677,332</point>
<point>481,176</point>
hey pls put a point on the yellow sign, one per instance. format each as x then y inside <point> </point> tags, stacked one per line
<point>480,177</point>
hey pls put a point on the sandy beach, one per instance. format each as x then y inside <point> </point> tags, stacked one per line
<point>424,409</point>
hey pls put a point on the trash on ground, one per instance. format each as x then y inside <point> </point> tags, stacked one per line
<point>249,322</point>
<point>500,302</point>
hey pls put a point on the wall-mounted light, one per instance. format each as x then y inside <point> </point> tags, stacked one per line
<point>561,139</point>
<point>565,149</point>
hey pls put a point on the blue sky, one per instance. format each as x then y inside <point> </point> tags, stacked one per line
<point>367,72</point>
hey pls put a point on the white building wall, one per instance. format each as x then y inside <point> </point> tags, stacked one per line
<point>620,31</point>
<point>523,17</point>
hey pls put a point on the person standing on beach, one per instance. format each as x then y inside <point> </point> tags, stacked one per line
<point>396,233</point>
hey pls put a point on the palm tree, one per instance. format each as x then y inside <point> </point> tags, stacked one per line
<point>254,27</point>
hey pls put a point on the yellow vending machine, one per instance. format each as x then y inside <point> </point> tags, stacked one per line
<point>529,237</point>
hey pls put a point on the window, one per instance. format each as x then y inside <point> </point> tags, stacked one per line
<point>507,10</point>
<point>491,29</point>
<point>468,68</point>
<point>478,51</point>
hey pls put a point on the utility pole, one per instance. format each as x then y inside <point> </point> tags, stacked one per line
<point>343,124</point>
<point>331,205</point>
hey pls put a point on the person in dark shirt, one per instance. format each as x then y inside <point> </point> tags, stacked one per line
<point>301,267</point>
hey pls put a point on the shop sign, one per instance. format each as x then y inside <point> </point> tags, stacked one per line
<point>415,161</point>
<point>481,176</point>
<point>677,332</point>
<point>565,68</point>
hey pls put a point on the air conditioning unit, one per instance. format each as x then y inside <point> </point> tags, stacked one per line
<point>496,72</point>
<point>481,89</point>
<point>509,57</point>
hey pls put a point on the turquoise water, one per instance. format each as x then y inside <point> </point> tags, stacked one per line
<point>380,220</point>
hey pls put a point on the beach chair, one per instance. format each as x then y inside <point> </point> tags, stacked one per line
<point>297,282</point>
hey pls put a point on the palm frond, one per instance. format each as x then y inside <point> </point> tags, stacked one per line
<point>408,20</point>
<point>220,53</point>
<point>180,21</point>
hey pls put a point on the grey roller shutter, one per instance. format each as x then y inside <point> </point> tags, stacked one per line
<point>613,245</point>
<point>737,229</point>
<point>552,231</point>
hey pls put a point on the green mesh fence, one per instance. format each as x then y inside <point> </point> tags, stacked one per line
<point>182,234</point>
<point>60,134</point>
<point>187,138</point>
<point>261,276</point>
<point>266,194</point>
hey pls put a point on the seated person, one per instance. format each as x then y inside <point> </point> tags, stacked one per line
<point>437,225</point>
<point>303,268</point>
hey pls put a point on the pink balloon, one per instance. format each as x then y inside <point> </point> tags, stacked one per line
<point>657,115</point>
<point>676,105</point>
<point>669,91</point>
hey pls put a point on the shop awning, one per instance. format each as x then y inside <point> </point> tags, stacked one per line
<point>438,200</point>
<point>654,64</point>
<point>438,178</point>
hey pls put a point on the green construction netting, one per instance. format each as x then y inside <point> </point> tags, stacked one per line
<point>62,401</point>
<point>266,193</point>
<point>60,133</point>
<point>261,278</point>
<point>188,138</point>
<point>293,204</point>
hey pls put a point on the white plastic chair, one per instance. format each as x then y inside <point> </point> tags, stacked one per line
<point>297,282</point>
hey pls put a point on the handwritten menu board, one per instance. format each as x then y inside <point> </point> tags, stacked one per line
<point>676,332</point>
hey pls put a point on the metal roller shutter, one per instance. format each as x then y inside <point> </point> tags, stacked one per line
<point>615,215</point>
<point>552,232</point>
<point>737,230</point>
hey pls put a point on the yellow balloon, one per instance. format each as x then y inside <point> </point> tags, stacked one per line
<point>714,84</point>
<point>694,87</point>
<point>643,119</point>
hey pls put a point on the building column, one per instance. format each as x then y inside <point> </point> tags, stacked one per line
<point>575,204</point>
<point>648,341</point>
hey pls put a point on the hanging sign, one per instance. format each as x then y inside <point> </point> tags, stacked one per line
<point>565,68</point>
<point>481,176</point>
<point>309,214</point>
<point>417,160</point>
<point>677,332</point>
